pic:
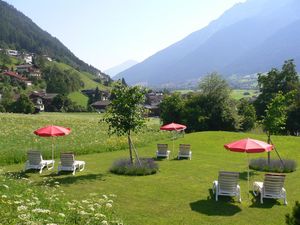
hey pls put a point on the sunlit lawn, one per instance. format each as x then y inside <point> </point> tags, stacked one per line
<point>181,192</point>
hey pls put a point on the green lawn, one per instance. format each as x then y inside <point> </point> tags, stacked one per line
<point>181,192</point>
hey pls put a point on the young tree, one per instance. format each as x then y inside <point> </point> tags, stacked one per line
<point>276,115</point>
<point>125,113</point>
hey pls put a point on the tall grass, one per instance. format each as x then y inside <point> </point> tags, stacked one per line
<point>89,135</point>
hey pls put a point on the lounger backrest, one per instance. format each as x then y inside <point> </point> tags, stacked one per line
<point>273,183</point>
<point>67,159</point>
<point>162,148</point>
<point>34,157</point>
<point>184,149</point>
<point>228,181</point>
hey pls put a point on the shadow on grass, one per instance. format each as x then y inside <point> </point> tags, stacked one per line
<point>223,207</point>
<point>68,178</point>
<point>18,174</point>
<point>244,175</point>
<point>268,202</point>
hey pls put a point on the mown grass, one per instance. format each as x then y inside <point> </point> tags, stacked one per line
<point>89,135</point>
<point>180,193</point>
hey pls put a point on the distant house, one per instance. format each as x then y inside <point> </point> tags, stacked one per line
<point>100,106</point>
<point>41,99</point>
<point>29,70</point>
<point>17,77</point>
<point>153,100</point>
<point>89,92</point>
<point>28,58</point>
<point>12,52</point>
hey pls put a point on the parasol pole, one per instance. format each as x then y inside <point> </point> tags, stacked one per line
<point>248,177</point>
<point>52,148</point>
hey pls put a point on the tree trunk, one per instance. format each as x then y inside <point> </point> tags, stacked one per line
<point>130,148</point>
<point>269,153</point>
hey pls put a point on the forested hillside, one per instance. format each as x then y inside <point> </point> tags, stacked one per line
<point>21,33</point>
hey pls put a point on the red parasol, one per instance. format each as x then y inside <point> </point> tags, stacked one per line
<point>52,131</point>
<point>249,145</point>
<point>173,126</point>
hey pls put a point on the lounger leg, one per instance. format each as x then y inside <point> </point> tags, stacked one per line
<point>239,194</point>
<point>261,198</point>
<point>41,170</point>
<point>284,196</point>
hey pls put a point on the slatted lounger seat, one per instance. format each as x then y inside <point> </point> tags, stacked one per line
<point>162,151</point>
<point>272,187</point>
<point>68,163</point>
<point>227,184</point>
<point>185,151</point>
<point>35,161</point>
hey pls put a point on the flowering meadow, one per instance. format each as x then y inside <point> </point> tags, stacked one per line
<point>22,202</point>
<point>89,135</point>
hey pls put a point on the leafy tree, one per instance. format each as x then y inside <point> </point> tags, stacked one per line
<point>23,105</point>
<point>4,58</point>
<point>61,81</point>
<point>172,109</point>
<point>247,113</point>
<point>284,80</point>
<point>214,86</point>
<point>97,95</point>
<point>294,217</point>
<point>125,113</point>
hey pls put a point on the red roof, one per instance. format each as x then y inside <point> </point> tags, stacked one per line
<point>15,75</point>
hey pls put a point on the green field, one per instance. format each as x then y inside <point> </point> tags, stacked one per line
<point>241,93</point>
<point>179,194</point>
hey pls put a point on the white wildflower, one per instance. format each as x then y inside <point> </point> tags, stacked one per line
<point>92,209</point>
<point>108,205</point>
<point>83,213</point>
<point>105,196</point>
<point>100,215</point>
<point>23,216</point>
<point>18,202</point>
<point>85,201</point>
<point>104,222</point>
<point>22,208</point>
<point>113,195</point>
<point>51,224</point>
<point>4,185</point>
<point>56,182</point>
<point>3,196</point>
<point>38,210</point>
<point>61,214</point>
<point>110,201</point>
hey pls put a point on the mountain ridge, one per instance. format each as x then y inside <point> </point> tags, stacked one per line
<point>217,46</point>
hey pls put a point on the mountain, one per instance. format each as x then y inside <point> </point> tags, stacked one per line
<point>119,68</point>
<point>21,33</point>
<point>246,39</point>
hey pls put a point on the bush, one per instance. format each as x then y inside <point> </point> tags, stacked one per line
<point>261,164</point>
<point>125,167</point>
<point>294,218</point>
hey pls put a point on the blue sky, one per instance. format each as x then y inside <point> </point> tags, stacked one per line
<point>106,33</point>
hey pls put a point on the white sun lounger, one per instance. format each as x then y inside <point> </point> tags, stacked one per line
<point>35,161</point>
<point>272,187</point>
<point>227,184</point>
<point>68,163</point>
<point>185,151</point>
<point>162,151</point>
